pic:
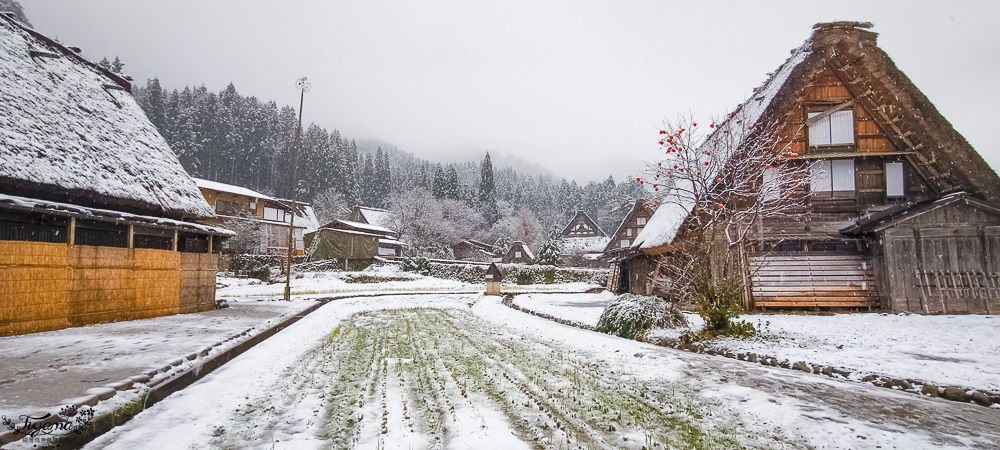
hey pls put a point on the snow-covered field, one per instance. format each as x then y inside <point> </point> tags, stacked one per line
<point>464,371</point>
<point>955,350</point>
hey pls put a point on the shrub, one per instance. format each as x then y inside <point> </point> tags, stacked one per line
<point>525,278</point>
<point>252,266</point>
<point>417,264</point>
<point>721,303</point>
<point>630,315</point>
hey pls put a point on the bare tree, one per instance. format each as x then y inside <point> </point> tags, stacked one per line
<point>250,233</point>
<point>329,205</point>
<point>720,183</point>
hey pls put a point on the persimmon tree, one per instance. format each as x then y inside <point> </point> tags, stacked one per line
<point>719,181</point>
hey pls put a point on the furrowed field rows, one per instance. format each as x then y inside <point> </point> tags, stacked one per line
<point>432,378</point>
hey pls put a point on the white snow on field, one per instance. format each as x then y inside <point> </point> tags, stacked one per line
<point>307,283</point>
<point>580,308</point>
<point>944,350</point>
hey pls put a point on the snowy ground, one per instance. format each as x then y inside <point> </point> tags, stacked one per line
<point>39,370</point>
<point>957,350</point>
<point>580,308</point>
<point>943,350</point>
<point>464,371</point>
<point>385,279</point>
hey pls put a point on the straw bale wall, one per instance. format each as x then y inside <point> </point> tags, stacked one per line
<point>47,286</point>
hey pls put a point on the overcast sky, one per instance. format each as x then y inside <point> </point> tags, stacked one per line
<point>577,86</point>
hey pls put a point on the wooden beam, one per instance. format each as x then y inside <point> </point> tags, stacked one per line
<point>72,232</point>
<point>174,245</point>
<point>131,236</point>
<point>210,239</point>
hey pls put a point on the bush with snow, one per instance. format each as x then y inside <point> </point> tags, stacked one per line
<point>630,316</point>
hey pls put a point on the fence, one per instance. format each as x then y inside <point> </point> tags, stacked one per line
<point>959,291</point>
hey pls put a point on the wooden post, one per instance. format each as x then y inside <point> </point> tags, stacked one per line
<point>72,232</point>
<point>920,265</point>
<point>210,239</point>
<point>131,236</point>
<point>174,245</point>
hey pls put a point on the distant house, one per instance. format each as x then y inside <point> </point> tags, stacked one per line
<point>620,249</point>
<point>349,240</point>
<point>97,216</point>
<point>373,216</point>
<point>250,212</point>
<point>472,250</point>
<point>902,213</point>
<point>583,242</point>
<point>519,253</point>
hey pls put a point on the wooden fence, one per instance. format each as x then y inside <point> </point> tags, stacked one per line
<point>812,281</point>
<point>959,291</point>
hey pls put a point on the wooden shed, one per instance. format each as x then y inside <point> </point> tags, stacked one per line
<point>493,279</point>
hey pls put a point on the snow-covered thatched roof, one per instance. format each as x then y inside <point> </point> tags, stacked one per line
<point>678,203</point>
<point>71,132</point>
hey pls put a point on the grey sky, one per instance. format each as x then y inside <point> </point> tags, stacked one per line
<point>577,86</point>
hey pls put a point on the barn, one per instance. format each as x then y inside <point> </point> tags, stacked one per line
<point>901,212</point>
<point>97,216</point>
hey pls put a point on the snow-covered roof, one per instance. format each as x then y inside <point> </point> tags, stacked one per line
<point>308,218</point>
<point>390,242</point>
<point>523,246</point>
<point>365,226</point>
<point>679,203</point>
<point>71,131</point>
<point>589,244</point>
<point>105,215</point>
<point>229,188</point>
<point>378,217</point>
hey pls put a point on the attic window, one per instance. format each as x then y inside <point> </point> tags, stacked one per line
<point>835,128</point>
<point>640,221</point>
<point>832,176</point>
<point>894,179</point>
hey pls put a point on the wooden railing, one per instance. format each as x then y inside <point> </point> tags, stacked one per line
<point>969,288</point>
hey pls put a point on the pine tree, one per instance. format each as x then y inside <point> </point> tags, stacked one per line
<point>453,190</point>
<point>487,192</point>
<point>440,182</point>
<point>551,251</point>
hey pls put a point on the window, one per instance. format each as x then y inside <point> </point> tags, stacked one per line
<point>624,243</point>
<point>894,179</point>
<point>274,214</point>
<point>628,232</point>
<point>832,176</point>
<point>834,129</point>
<point>770,188</point>
<point>640,221</point>
<point>253,206</point>
<point>517,254</point>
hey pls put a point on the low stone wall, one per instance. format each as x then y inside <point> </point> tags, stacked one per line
<point>46,286</point>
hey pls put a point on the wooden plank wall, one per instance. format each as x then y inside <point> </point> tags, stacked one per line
<point>812,281</point>
<point>47,286</point>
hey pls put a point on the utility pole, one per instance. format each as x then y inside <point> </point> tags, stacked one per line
<point>303,86</point>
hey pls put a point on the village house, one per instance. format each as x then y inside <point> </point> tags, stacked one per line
<point>583,242</point>
<point>373,216</point>
<point>97,216</point>
<point>519,253</point>
<point>619,249</point>
<point>356,244</point>
<point>901,212</point>
<point>261,221</point>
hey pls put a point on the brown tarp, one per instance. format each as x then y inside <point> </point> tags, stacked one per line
<point>342,245</point>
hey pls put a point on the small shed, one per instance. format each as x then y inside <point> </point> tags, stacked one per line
<point>493,279</point>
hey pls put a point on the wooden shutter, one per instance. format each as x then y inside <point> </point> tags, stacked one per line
<point>819,131</point>
<point>842,174</point>
<point>842,127</point>
<point>894,179</point>
<point>819,176</point>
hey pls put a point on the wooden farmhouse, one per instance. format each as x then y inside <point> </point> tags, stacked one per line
<point>472,250</point>
<point>627,263</point>
<point>519,253</point>
<point>901,212</point>
<point>583,242</point>
<point>97,216</point>
<point>261,221</point>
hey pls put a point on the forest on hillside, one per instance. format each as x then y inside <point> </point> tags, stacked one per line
<point>242,140</point>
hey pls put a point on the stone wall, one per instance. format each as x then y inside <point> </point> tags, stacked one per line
<point>47,286</point>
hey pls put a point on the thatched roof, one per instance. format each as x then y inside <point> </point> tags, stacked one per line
<point>941,156</point>
<point>71,132</point>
